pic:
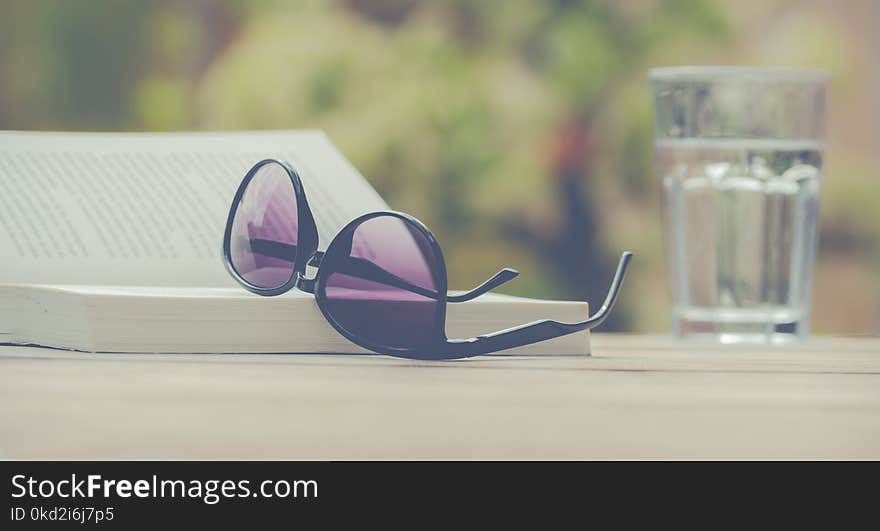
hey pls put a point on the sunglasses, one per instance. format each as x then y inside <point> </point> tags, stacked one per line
<point>381,282</point>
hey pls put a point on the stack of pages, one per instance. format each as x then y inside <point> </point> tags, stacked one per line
<point>112,243</point>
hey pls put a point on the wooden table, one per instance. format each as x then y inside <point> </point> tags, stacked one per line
<point>637,397</point>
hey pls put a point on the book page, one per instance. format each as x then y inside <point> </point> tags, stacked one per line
<point>149,208</point>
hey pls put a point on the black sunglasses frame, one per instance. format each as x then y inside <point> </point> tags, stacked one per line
<point>437,347</point>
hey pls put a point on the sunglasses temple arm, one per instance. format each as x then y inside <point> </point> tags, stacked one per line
<point>547,329</point>
<point>505,275</point>
<point>354,266</point>
<point>367,270</point>
<point>613,291</point>
<point>273,249</point>
<point>523,335</point>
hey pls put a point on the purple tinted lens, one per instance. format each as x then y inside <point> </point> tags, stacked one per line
<point>384,291</point>
<point>262,244</point>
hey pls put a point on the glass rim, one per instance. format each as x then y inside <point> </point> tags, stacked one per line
<point>739,73</point>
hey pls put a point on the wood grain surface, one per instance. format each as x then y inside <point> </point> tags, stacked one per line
<point>637,397</point>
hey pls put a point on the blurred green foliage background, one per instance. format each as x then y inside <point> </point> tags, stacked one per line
<point>519,130</point>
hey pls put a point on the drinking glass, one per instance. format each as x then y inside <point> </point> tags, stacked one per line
<point>739,155</point>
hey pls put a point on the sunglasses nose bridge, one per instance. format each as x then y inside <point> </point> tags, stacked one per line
<point>309,284</point>
<point>304,284</point>
<point>316,259</point>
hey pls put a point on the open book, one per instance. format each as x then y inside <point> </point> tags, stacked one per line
<point>112,242</point>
